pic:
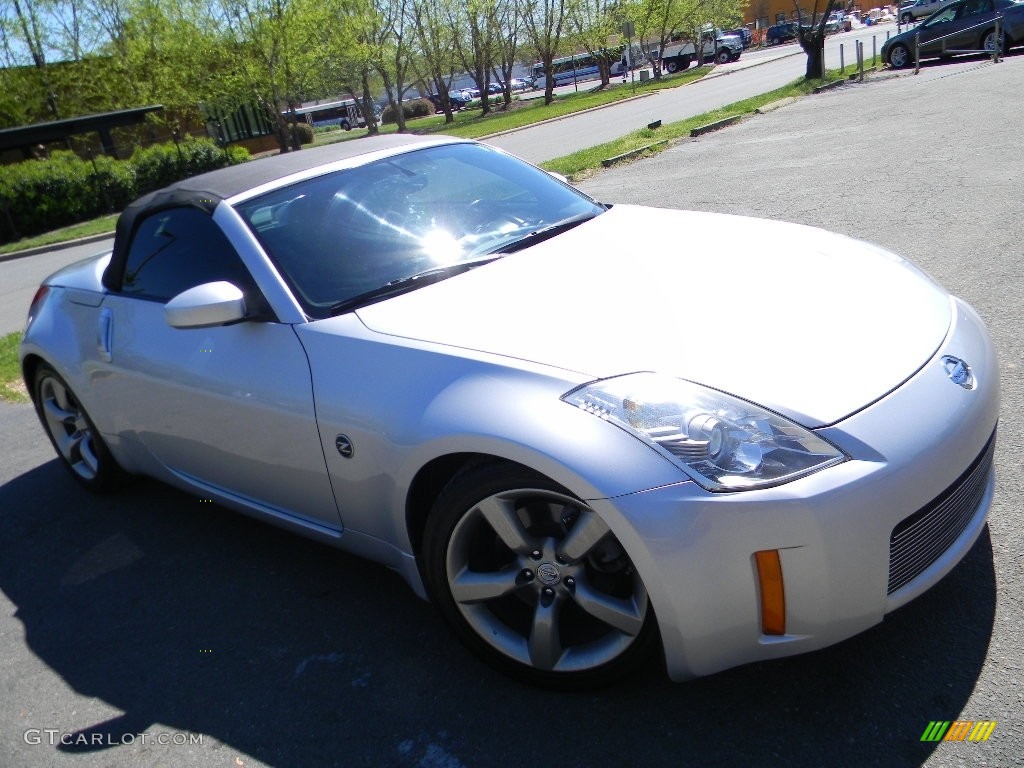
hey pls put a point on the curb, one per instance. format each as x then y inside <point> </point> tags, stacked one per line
<point>700,130</point>
<point>56,246</point>
<point>609,162</point>
<point>828,86</point>
<point>773,105</point>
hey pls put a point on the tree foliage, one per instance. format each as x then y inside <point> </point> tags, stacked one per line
<point>61,58</point>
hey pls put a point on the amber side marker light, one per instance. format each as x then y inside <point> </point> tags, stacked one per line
<point>773,592</point>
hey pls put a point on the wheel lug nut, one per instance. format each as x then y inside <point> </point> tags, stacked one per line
<point>549,591</point>
<point>535,554</point>
<point>527,574</point>
<point>570,582</point>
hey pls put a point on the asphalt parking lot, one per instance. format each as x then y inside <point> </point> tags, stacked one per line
<point>146,613</point>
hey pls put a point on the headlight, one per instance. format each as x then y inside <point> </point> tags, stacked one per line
<point>722,442</point>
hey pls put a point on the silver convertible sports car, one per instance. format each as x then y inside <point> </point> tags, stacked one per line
<point>586,448</point>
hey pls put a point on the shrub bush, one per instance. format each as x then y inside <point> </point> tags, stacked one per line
<point>40,195</point>
<point>304,131</point>
<point>162,164</point>
<point>411,109</point>
<point>421,107</point>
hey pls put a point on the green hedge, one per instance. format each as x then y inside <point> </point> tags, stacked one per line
<point>40,195</point>
<point>163,164</point>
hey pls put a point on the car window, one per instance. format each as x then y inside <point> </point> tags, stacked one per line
<point>943,16</point>
<point>180,248</point>
<point>974,7</point>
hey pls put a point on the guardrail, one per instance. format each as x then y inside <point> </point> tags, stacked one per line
<point>997,46</point>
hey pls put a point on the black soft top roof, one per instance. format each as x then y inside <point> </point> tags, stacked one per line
<point>207,190</point>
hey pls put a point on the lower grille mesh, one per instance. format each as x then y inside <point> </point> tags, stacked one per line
<point>919,540</point>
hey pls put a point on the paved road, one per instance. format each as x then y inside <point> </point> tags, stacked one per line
<point>150,613</point>
<point>762,71</point>
<point>19,279</point>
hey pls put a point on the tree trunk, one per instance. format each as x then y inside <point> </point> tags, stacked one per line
<point>368,112</point>
<point>549,79</point>
<point>396,103</point>
<point>813,43</point>
<point>812,40</point>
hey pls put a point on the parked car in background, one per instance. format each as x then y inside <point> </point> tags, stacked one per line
<point>921,9</point>
<point>780,33</point>
<point>964,25</point>
<point>457,99</point>
<point>744,35</point>
<point>697,462</point>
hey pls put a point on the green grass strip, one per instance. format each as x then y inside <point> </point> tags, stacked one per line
<point>101,226</point>
<point>11,387</point>
<point>580,164</point>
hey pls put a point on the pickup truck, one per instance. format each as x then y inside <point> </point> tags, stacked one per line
<point>678,56</point>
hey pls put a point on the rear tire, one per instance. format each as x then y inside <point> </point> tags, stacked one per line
<point>75,438</point>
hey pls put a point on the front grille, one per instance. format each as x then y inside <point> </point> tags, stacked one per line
<point>919,540</point>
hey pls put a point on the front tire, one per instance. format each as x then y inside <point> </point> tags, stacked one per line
<point>75,438</point>
<point>724,56</point>
<point>899,56</point>
<point>907,18</point>
<point>533,581</point>
<point>988,42</point>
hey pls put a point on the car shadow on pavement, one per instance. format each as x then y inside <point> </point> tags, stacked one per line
<point>187,617</point>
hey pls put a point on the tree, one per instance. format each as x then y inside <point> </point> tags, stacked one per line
<point>389,46</point>
<point>812,38</point>
<point>435,62</point>
<point>277,49</point>
<point>506,17</point>
<point>543,21</point>
<point>592,22</point>
<point>474,35</point>
<point>29,22</point>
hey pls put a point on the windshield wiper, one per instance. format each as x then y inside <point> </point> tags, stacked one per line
<point>409,283</point>
<point>544,233</point>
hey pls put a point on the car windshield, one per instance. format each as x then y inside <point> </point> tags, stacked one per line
<point>358,235</point>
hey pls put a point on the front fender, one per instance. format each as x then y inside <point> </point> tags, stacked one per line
<point>401,404</point>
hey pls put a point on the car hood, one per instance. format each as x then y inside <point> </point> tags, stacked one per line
<point>808,323</point>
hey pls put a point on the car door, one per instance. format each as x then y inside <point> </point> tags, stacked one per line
<point>228,408</point>
<point>933,31</point>
<point>961,32</point>
<point>969,16</point>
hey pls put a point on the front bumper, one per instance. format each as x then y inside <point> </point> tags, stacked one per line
<point>695,550</point>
